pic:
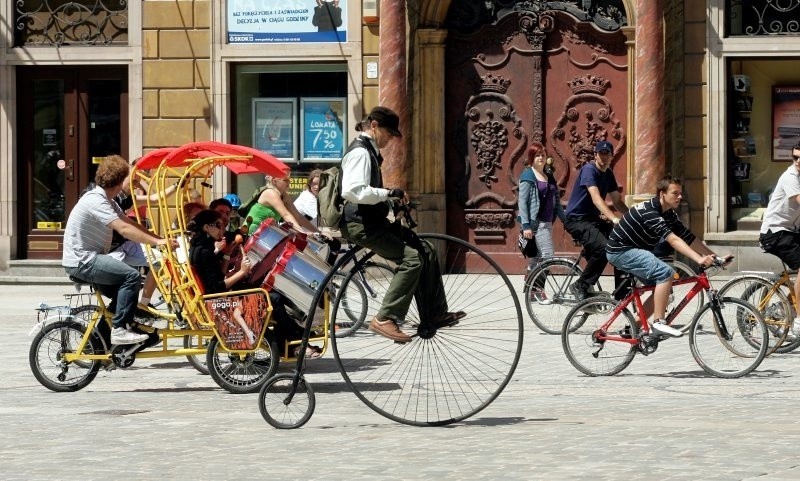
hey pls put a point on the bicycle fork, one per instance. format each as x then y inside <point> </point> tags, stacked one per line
<point>719,322</point>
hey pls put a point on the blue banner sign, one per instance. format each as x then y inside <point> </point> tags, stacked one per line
<point>324,128</point>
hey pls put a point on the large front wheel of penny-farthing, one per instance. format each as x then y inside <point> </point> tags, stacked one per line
<point>447,374</point>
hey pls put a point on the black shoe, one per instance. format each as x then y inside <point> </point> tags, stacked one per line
<point>578,289</point>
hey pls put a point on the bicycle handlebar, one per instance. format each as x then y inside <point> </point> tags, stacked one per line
<point>719,262</point>
<point>406,210</point>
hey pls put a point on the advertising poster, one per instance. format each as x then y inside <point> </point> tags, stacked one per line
<point>274,126</point>
<point>323,129</point>
<point>785,121</point>
<point>287,21</point>
<point>239,319</point>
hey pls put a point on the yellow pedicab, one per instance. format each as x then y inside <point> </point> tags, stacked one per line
<point>231,361</point>
<point>69,350</point>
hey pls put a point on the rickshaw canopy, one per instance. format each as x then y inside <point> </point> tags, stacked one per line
<point>237,158</point>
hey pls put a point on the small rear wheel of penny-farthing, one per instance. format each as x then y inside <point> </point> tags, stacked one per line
<point>284,406</point>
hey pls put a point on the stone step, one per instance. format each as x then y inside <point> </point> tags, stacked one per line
<point>34,271</point>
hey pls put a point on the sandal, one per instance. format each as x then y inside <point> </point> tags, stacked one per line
<point>312,352</point>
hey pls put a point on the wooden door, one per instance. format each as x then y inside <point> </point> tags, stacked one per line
<point>529,75</point>
<point>69,118</point>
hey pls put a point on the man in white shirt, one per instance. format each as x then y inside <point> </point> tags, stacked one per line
<point>779,230</point>
<point>87,240</point>
<point>365,222</point>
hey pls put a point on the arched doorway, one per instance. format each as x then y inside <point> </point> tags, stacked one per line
<point>556,72</point>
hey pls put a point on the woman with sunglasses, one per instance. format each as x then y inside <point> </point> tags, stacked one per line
<point>207,227</point>
<point>274,203</point>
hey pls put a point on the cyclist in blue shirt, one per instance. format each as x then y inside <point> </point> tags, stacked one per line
<point>589,220</point>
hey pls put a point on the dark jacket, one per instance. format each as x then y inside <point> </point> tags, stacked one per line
<point>206,264</point>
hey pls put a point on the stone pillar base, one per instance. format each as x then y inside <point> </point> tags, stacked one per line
<point>431,214</point>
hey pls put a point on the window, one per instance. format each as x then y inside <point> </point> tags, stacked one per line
<point>762,17</point>
<point>60,23</point>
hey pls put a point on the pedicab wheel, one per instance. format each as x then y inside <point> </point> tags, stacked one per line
<point>443,375</point>
<point>198,361</point>
<point>46,357</point>
<point>242,374</point>
<point>284,407</point>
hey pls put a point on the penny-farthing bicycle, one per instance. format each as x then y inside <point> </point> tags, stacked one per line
<point>443,375</point>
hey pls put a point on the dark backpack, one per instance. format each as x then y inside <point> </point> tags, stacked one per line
<point>330,204</point>
<point>245,208</point>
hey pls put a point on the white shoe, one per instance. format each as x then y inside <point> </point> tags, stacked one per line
<point>660,327</point>
<point>796,326</point>
<point>155,323</point>
<point>120,335</point>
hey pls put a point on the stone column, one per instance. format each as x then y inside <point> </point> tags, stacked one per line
<point>649,126</point>
<point>427,145</point>
<point>392,88</point>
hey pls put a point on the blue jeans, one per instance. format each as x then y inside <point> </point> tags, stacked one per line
<point>643,264</point>
<point>113,279</point>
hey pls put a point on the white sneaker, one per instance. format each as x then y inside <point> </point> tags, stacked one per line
<point>796,326</point>
<point>660,327</point>
<point>120,335</point>
<point>155,323</point>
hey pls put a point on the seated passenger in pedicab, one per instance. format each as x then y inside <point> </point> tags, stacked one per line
<point>274,203</point>
<point>211,267</point>
<point>231,240</point>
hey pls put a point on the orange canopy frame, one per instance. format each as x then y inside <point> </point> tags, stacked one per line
<point>248,160</point>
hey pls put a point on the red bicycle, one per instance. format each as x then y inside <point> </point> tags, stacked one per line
<point>727,336</point>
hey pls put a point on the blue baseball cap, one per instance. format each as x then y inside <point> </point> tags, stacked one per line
<point>604,145</point>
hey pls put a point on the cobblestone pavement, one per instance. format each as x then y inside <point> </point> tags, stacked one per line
<point>662,418</point>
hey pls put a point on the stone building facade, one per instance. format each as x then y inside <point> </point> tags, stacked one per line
<point>656,76</point>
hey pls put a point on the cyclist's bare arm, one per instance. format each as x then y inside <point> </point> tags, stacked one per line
<point>601,205</point>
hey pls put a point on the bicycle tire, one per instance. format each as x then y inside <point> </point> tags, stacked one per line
<point>774,306</point>
<point>371,279</point>
<point>274,408</point>
<point>547,296</point>
<point>353,297</point>
<point>446,375</point>
<point>728,354</point>
<point>197,361</point>
<point>589,353</point>
<point>46,357</point>
<point>242,376</point>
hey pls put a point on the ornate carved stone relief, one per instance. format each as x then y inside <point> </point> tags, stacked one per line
<point>492,124</point>
<point>587,118</point>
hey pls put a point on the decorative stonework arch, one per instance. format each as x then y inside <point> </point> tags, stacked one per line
<point>433,13</point>
<point>524,76</point>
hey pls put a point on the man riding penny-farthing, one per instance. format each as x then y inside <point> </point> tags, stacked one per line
<point>445,338</point>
